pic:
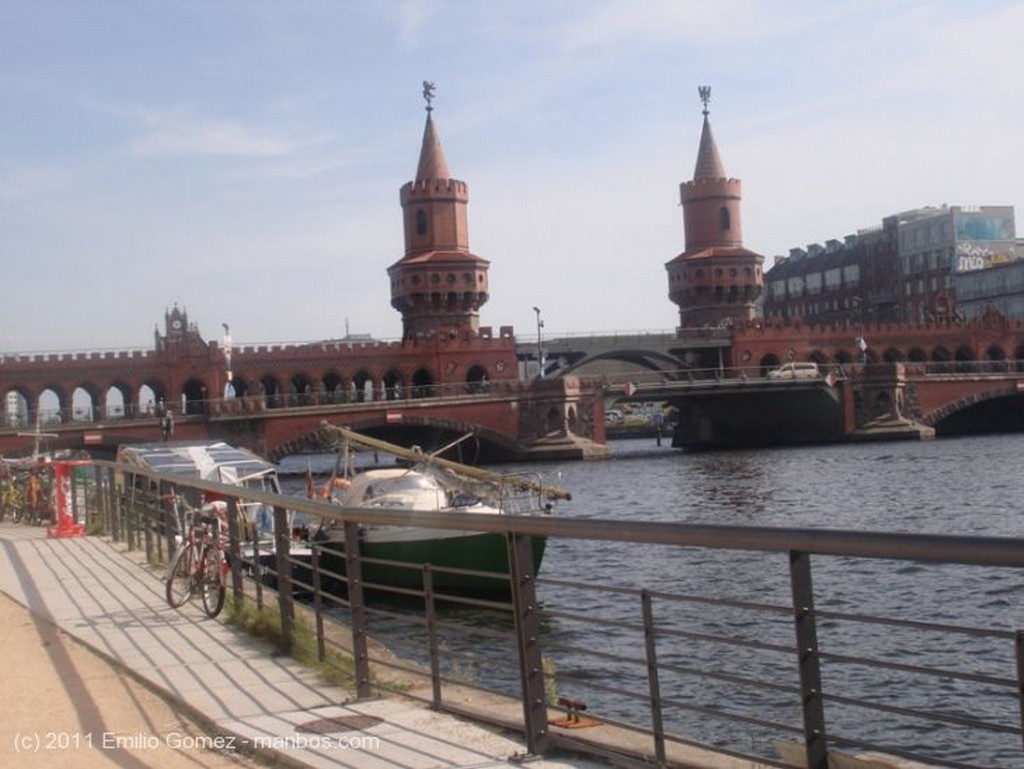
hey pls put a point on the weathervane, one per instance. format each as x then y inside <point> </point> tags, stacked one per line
<point>428,93</point>
<point>705,96</point>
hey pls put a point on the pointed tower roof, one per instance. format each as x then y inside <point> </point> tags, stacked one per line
<point>709,163</point>
<point>432,162</point>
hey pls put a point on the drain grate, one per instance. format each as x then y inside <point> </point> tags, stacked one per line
<point>339,724</point>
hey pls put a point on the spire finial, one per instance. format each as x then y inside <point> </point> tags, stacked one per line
<point>428,93</point>
<point>705,96</point>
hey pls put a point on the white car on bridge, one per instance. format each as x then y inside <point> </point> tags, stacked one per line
<point>796,371</point>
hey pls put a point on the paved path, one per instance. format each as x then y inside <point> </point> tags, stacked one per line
<point>106,675</point>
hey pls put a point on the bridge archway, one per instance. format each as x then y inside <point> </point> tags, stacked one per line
<point>333,387</point>
<point>393,385</point>
<point>649,360</point>
<point>117,401</point>
<point>362,386</point>
<point>150,397</point>
<point>194,395</point>
<point>995,353</point>
<point>301,391</point>
<point>422,383</point>
<point>17,406</point>
<point>476,379</point>
<point>270,388</point>
<point>981,413</point>
<point>52,405</point>
<point>427,433</point>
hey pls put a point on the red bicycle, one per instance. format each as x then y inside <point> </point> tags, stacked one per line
<point>199,565</point>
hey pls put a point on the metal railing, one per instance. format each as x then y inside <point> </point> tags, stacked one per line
<point>804,661</point>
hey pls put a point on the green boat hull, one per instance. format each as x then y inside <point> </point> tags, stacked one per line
<point>467,551</point>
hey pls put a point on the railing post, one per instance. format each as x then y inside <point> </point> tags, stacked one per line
<point>527,628</point>
<point>431,617</point>
<point>811,704</point>
<point>1019,646</point>
<point>257,569</point>
<point>654,686</point>
<point>318,601</point>
<point>282,546</point>
<point>235,553</point>
<point>357,609</point>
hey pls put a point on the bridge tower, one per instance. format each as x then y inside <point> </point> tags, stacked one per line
<point>438,285</point>
<point>715,280</point>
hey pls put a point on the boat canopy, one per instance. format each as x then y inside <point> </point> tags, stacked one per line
<point>213,461</point>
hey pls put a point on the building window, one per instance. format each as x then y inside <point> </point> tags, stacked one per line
<point>724,222</point>
<point>421,222</point>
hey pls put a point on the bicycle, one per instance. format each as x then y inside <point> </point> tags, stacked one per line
<point>199,565</point>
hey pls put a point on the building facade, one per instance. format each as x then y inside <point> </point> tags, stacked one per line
<point>908,270</point>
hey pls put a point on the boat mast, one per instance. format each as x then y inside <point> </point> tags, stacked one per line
<point>416,454</point>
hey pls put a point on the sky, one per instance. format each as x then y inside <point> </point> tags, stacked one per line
<point>242,159</point>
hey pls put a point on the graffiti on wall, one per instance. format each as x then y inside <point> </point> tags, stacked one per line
<point>981,254</point>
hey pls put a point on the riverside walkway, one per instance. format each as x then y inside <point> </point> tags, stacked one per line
<point>246,704</point>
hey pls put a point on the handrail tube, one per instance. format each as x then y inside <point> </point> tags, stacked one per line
<point>916,624</point>
<point>932,715</point>
<point>918,669</point>
<point>725,715</point>
<point>943,548</point>
<point>728,677</point>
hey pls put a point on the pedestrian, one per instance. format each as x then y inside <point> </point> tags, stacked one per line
<point>167,424</point>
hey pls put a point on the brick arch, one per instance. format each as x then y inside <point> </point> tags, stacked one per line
<point>491,441</point>
<point>93,394</point>
<point>935,416</point>
<point>127,393</point>
<point>62,395</point>
<point>652,360</point>
<point>25,406</point>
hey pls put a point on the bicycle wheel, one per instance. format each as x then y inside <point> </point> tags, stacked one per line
<point>213,588</point>
<point>181,576</point>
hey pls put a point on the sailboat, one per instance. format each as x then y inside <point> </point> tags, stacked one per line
<point>461,561</point>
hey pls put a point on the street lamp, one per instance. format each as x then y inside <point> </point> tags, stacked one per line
<point>540,347</point>
<point>860,341</point>
<point>228,388</point>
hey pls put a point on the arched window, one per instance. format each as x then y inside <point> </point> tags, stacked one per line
<point>421,222</point>
<point>724,222</point>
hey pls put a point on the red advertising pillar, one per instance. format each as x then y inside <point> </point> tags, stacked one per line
<point>66,525</point>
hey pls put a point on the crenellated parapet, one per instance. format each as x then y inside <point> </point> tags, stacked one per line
<point>699,188</point>
<point>434,189</point>
<point>991,337</point>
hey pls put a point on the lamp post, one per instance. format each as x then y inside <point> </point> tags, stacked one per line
<point>228,388</point>
<point>540,346</point>
<point>860,342</point>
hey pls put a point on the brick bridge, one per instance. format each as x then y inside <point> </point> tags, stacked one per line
<point>509,421</point>
<point>272,397</point>
<point>739,407</point>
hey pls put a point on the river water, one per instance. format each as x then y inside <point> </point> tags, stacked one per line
<point>969,486</point>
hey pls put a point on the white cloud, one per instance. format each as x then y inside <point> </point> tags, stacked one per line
<point>174,133</point>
